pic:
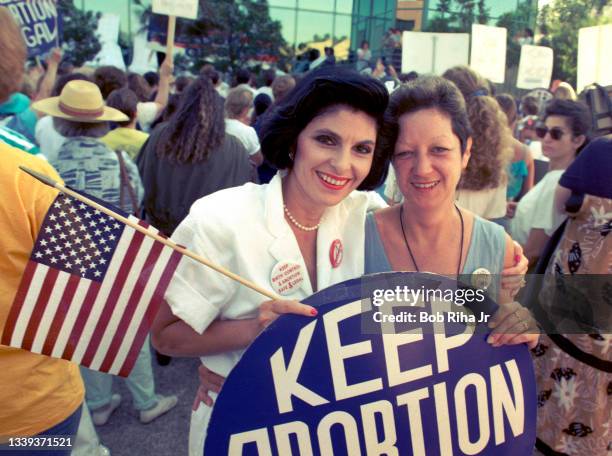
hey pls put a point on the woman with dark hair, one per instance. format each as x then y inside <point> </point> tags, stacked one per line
<point>323,138</point>
<point>563,134</point>
<point>427,128</point>
<point>188,157</point>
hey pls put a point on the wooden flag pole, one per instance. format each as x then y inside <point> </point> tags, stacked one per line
<point>247,283</point>
<point>170,37</point>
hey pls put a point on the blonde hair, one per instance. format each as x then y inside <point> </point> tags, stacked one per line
<point>238,99</point>
<point>492,148</point>
<point>564,91</point>
<point>13,53</point>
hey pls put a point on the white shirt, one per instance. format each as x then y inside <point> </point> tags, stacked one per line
<point>48,139</point>
<point>536,209</point>
<point>489,203</point>
<point>246,135</point>
<point>146,113</point>
<point>244,229</point>
<point>265,89</point>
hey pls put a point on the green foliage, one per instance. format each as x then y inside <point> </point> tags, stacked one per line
<point>515,22</point>
<point>458,16</point>
<point>79,40</point>
<point>230,34</point>
<point>559,23</point>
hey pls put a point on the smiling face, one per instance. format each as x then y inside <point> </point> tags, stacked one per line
<point>333,156</point>
<point>427,159</point>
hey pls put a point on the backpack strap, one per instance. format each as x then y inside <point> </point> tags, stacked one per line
<point>125,183</point>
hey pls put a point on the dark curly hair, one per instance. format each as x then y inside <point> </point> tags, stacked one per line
<point>109,78</point>
<point>492,139</point>
<point>312,96</point>
<point>197,128</point>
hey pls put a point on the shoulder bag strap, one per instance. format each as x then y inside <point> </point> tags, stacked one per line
<point>125,182</point>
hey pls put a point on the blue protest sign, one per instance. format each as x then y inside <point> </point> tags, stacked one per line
<point>39,22</point>
<point>330,386</point>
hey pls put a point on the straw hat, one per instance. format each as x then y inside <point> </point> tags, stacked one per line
<point>80,101</point>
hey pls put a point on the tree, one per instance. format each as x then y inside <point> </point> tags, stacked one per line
<point>516,22</point>
<point>79,40</point>
<point>230,33</point>
<point>560,21</point>
<point>458,16</point>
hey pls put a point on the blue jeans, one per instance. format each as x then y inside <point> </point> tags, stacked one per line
<point>99,386</point>
<point>67,428</point>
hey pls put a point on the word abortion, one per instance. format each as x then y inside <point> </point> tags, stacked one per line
<point>452,401</point>
<point>36,19</point>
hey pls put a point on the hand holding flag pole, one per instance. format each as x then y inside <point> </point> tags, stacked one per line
<point>247,283</point>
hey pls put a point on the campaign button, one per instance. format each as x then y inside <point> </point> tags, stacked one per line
<point>286,277</point>
<point>336,252</point>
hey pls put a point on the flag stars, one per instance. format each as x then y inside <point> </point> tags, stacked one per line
<point>98,233</point>
<point>107,248</point>
<point>67,222</point>
<point>57,204</point>
<point>72,232</point>
<point>87,257</point>
<point>97,273</point>
<point>116,226</point>
<point>92,223</point>
<point>48,229</point>
<point>53,260</point>
<point>83,270</point>
<point>68,264</point>
<point>38,255</point>
<point>62,213</point>
<point>53,217</point>
<point>112,237</point>
<point>58,226</point>
<point>53,239</point>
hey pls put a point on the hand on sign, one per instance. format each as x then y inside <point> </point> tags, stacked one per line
<point>209,381</point>
<point>55,57</point>
<point>167,68</point>
<point>513,324</point>
<point>513,278</point>
<point>271,310</point>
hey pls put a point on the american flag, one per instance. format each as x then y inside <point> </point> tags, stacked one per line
<point>91,288</point>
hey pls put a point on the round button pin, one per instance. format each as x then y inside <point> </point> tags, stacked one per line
<point>286,277</point>
<point>481,278</point>
<point>336,252</point>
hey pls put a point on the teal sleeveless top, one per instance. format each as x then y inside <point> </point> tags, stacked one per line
<point>517,173</point>
<point>486,250</point>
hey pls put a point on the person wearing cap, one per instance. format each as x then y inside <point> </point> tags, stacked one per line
<point>87,164</point>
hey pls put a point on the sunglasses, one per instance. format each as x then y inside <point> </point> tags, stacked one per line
<point>556,133</point>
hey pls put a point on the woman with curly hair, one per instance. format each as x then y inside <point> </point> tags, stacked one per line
<point>189,157</point>
<point>482,188</point>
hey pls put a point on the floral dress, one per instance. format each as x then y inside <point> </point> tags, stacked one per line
<point>573,370</point>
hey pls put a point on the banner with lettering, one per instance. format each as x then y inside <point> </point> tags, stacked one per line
<point>344,384</point>
<point>39,22</point>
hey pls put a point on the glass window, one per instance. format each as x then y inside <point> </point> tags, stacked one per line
<point>342,28</point>
<point>287,19</point>
<point>318,5</point>
<point>287,3</point>
<point>344,6</point>
<point>314,26</point>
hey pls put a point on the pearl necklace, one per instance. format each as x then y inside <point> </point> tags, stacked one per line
<point>298,224</point>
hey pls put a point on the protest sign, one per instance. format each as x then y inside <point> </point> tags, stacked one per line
<point>594,50</point>
<point>179,8</point>
<point>535,67</point>
<point>332,385</point>
<point>434,52</point>
<point>488,52</point>
<point>39,22</point>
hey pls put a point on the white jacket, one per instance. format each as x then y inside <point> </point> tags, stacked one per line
<point>244,230</point>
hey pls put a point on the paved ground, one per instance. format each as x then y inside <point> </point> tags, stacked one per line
<point>124,435</point>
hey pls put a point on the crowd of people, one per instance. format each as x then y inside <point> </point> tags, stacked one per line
<point>428,173</point>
